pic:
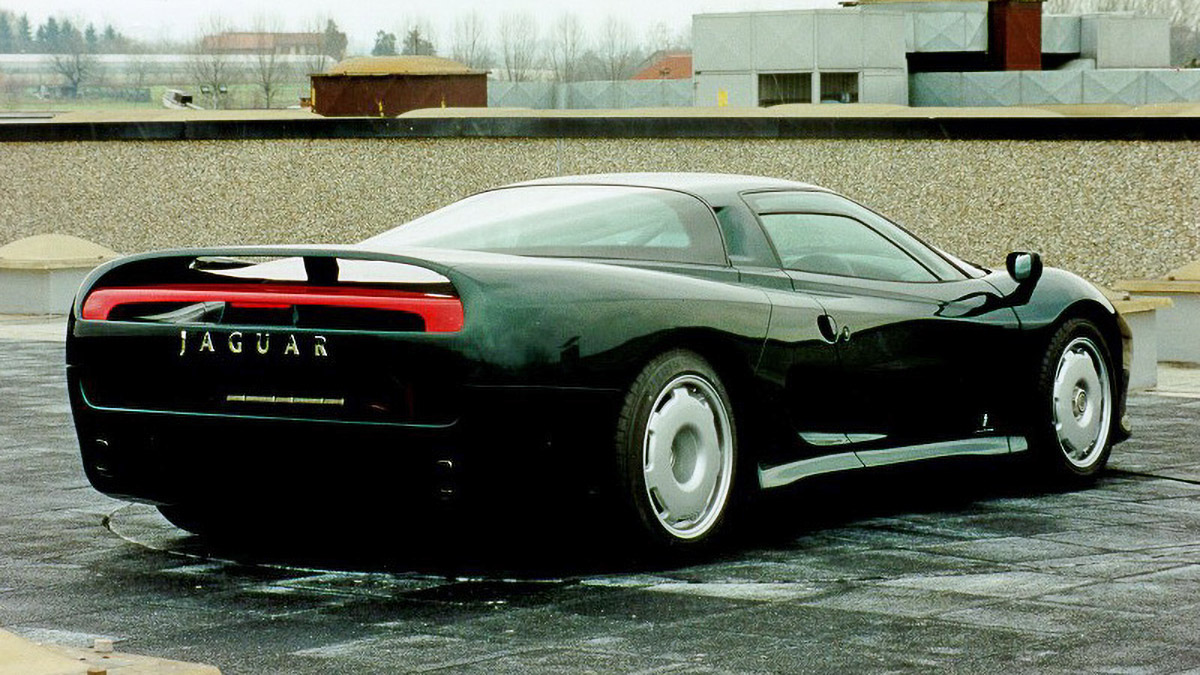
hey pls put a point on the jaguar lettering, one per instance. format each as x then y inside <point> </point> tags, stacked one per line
<point>235,343</point>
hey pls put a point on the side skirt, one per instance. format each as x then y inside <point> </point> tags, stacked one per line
<point>778,476</point>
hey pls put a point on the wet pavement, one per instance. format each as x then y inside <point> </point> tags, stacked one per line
<point>967,567</point>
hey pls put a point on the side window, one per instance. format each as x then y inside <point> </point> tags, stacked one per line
<point>829,244</point>
<point>744,239</point>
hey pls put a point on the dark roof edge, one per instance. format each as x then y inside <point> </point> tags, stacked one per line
<point>958,128</point>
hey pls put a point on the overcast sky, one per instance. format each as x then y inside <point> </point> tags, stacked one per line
<point>179,19</point>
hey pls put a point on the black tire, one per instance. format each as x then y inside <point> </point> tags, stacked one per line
<point>672,393</point>
<point>1063,462</point>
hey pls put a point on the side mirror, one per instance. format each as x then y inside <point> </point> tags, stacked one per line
<point>1024,267</point>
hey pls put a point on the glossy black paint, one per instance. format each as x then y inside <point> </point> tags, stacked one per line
<point>536,376</point>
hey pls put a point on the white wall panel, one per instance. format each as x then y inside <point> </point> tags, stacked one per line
<point>935,89</point>
<point>839,40</point>
<point>1051,87</point>
<point>991,89</point>
<point>1126,87</point>
<point>1121,41</point>
<point>975,35</point>
<point>1171,86</point>
<point>883,87</point>
<point>940,32</point>
<point>722,42</point>
<point>1060,34</point>
<point>883,40</point>
<point>741,88</point>
<point>784,41</point>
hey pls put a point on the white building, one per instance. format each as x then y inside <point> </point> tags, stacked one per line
<point>971,53</point>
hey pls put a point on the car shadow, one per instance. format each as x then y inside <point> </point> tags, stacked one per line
<point>574,540</point>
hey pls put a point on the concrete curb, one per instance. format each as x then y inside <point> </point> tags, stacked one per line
<point>19,656</point>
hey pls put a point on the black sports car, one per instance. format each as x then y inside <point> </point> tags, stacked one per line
<point>674,341</point>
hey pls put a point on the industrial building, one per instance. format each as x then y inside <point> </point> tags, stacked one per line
<point>971,53</point>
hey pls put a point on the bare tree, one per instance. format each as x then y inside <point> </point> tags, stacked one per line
<point>518,45</point>
<point>469,44</point>
<point>615,48</point>
<point>74,61</point>
<point>209,65</point>
<point>270,70</point>
<point>137,69</point>
<point>660,37</point>
<point>566,47</point>
<point>331,46</point>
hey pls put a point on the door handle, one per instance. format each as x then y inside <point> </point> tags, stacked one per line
<point>828,328</point>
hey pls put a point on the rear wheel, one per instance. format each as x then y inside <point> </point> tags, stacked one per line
<point>676,451</point>
<point>1077,402</point>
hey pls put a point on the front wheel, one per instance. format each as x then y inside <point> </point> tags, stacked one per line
<point>1077,398</point>
<point>676,451</point>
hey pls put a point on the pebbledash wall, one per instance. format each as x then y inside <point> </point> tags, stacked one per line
<point>1106,209</point>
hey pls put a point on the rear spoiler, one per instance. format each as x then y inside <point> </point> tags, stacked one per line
<point>193,274</point>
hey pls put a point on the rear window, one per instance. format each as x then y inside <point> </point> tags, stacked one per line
<point>576,221</point>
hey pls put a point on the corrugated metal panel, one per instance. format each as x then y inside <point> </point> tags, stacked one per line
<point>834,50</point>
<point>722,42</point>
<point>1051,87</point>
<point>1172,86</point>
<point>784,41</point>
<point>587,95</point>
<point>1114,86</point>
<point>672,94</point>
<point>536,95</point>
<point>991,89</point>
<point>1060,34</point>
<point>935,89</point>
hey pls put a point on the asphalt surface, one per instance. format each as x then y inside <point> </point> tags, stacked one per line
<point>966,568</point>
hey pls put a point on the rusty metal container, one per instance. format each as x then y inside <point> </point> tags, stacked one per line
<point>385,86</point>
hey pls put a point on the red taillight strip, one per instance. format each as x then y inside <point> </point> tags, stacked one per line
<point>441,314</point>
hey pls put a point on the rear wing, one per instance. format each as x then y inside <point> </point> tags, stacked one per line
<point>199,283</point>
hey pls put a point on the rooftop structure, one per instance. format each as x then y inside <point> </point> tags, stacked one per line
<point>936,52</point>
<point>384,86</point>
<point>254,43</point>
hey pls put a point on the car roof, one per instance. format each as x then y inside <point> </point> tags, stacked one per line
<point>708,186</point>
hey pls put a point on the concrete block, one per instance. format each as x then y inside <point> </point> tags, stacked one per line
<point>40,274</point>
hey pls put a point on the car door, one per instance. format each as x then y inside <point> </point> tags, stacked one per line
<point>920,343</point>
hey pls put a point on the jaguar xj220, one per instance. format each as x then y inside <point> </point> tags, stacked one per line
<point>675,342</point>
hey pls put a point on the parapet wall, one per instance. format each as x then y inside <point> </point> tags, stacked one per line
<point>1106,209</point>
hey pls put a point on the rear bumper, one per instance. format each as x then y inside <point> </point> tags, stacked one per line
<point>506,435</point>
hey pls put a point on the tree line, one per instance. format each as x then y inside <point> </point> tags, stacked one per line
<point>55,36</point>
<point>517,48</point>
